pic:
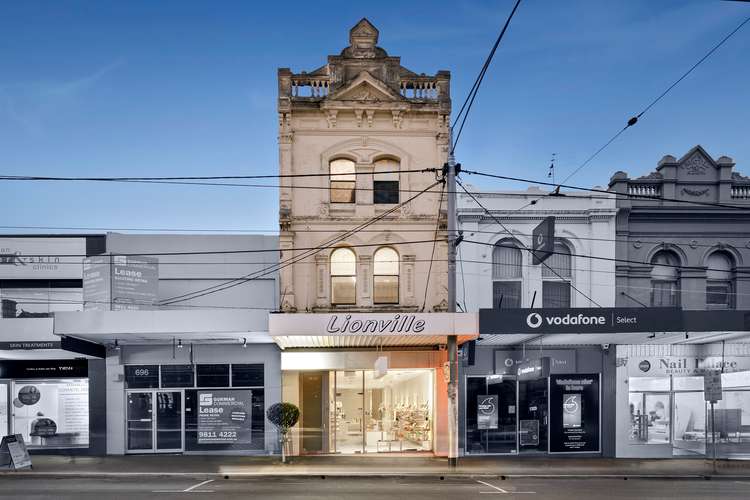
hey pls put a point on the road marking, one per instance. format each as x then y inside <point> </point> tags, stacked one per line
<point>191,489</point>
<point>492,486</point>
<point>500,491</point>
<point>198,485</point>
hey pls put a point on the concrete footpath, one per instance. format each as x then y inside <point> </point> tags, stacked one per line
<point>213,467</point>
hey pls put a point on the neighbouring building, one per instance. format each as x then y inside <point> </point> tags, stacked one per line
<point>362,280</point>
<point>51,396</point>
<point>182,324</point>
<point>509,401</point>
<point>683,242</point>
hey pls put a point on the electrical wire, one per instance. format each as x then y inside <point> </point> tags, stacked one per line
<point>611,193</point>
<point>199,177</point>
<point>523,245</point>
<point>293,259</point>
<point>478,82</point>
<point>633,120</point>
<point>434,244</point>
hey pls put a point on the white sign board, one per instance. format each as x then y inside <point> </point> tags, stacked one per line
<point>712,386</point>
<point>374,324</point>
<point>42,258</point>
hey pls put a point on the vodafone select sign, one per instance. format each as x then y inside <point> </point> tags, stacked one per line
<point>579,320</point>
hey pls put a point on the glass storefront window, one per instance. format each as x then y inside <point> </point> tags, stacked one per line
<point>645,384</point>
<point>687,383</point>
<point>650,417</point>
<point>51,413</point>
<point>212,375</point>
<point>247,375</point>
<point>177,376</point>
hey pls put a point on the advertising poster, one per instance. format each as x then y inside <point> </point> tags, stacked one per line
<point>120,282</point>
<point>487,411</point>
<point>51,413</point>
<point>574,413</point>
<point>224,416</point>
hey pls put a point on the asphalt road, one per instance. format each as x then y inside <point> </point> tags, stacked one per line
<point>373,488</point>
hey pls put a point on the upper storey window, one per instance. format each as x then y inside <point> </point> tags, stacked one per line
<point>343,181</point>
<point>343,277</point>
<point>385,182</point>
<point>665,280</point>
<point>385,276</point>
<point>556,277</point>
<point>507,266</point>
<point>719,283</point>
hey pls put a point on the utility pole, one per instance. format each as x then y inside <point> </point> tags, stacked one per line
<point>450,176</point>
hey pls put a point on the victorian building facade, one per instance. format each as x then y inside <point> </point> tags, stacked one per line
<point>363,278</point>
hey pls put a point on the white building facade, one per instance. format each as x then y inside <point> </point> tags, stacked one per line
<point>498,270</point>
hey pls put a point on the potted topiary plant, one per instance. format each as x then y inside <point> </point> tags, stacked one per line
<point>284,416</point>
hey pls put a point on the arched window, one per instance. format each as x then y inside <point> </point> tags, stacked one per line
<point>557,273</point>
<point>343,277</point>
<point>385,182</point>
<point>385,276</point>
<point>343,181</point>
<point>665,279</point>
<point>720,292</point>
<point>507,267</point>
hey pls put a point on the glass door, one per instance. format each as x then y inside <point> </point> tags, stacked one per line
<point>155,421</point>
<point>169,420</point>
<point>140,421</point>
<point>349,408</point>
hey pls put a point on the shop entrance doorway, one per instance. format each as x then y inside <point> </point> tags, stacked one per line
<point>154,421</point>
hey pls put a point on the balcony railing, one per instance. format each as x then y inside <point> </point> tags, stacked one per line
<point>646,190</point>
<point>741,192</point>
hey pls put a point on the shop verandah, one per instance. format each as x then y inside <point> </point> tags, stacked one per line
<point>645,397</point>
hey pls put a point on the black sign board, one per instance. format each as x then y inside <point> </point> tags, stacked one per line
<point>543,244</point>
<point>487,411</point>
<point>44,368</point>
<point>142,376</point>
<point>29,345</point>
<point>13,452</point>
<point>574,423</point>
<point>583,320</point>
<point>80,346</point>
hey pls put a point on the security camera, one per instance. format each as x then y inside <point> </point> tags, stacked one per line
<point>605,347</point>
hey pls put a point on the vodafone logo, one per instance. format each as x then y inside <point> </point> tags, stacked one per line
<point>534,320</point>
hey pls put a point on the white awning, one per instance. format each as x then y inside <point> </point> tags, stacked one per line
<point>139,327</point>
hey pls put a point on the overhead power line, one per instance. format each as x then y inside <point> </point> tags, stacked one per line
<point>201,177</point>
<point>469,101</point>
<point>274,268</point>
<point>522,244</point>
<point>603,191</point>
<point>634,119</point>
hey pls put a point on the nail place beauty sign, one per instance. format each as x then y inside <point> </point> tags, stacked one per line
<point>373,324</point>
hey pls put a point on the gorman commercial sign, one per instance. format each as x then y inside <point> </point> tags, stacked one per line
<point>608,320</point>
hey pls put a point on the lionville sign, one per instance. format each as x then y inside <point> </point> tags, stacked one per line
<point>373,324</point>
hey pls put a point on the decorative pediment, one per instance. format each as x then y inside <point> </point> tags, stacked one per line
<point>697,162</point>
<point>365,88</point>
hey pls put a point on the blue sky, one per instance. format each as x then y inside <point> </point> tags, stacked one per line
<point>171,88</point>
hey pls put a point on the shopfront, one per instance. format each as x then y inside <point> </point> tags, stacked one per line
<point>215,407</point>
<point>661,405</point>
<point>52,404</point>
<point>533,401</point>
<point>373,383</point>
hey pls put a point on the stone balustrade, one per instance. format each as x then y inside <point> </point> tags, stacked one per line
<point>741,192</point>
<point>646,190</point>
<point>420,88</point>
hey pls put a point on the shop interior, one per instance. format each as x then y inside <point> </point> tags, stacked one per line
<point>363,411</point>
<point>672,410</point>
